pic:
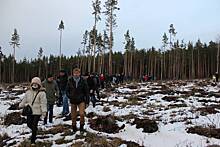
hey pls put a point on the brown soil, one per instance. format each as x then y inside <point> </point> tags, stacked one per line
<point>208,132</point>
<point>149,126</point>
<point>14,107</point>
<point>207,110</point>
<point>170,98</point>
<point>105,124</point>
<point>14,118</point>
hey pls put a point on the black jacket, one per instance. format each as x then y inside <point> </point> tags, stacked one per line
<point>62,82</point>
<point>79,94</point>
<point>93,82</point>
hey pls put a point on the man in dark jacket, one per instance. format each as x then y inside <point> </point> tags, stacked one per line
<point>52,92</point>
<point>78,93</point>
<point>93,85</point>
<point>62,84</point>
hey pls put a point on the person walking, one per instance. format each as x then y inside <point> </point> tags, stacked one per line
<point>52,93</point>
<point>102,81</point>
<point>93,87</point>
<point>36,95</point>
<point>62,84</point>
<point>78,93</point>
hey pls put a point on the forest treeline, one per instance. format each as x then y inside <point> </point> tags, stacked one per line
<point>174,60</point>
<point>183,61</point>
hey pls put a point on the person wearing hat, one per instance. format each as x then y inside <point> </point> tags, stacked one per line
<point>39,107</point>
<point>78,93</point>
<point>52,93</point>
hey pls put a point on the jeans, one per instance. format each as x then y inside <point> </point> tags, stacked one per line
<point>50,111</point>
<point>32,122</point>
<point>65,103</point>
<point>81,107</point>
<point>93,98</point>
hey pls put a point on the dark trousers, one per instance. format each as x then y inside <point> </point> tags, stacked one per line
<point>102,84</point>
<point>92,98</point>
<point>32,122</point>
<point>50,111</point>
<point>97,93</point>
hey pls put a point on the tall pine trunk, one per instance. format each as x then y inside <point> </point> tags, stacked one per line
<point>13,66</point>
<point>218,58</point>
<point>110,43</point>
<point>60,62</point>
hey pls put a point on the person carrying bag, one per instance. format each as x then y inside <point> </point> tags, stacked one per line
<point>27,110</point>
<point>35,105</point>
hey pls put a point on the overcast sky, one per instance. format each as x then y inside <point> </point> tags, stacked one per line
<point>37,21</point>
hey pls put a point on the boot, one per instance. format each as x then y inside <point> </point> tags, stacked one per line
<point>74,129</point>
<point>93,104</point>
<point>82,128</point>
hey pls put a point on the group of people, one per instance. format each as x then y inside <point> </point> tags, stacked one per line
<point>76,89</point>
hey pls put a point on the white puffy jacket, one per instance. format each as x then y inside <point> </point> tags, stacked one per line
<point>40,104</point>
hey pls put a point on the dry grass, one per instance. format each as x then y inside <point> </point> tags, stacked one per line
<point>56,129</point>
<point>106,109</point>
<point>27,143</point>
<point>62,141</point>
<point>14,118</point>
<point>3,138</point>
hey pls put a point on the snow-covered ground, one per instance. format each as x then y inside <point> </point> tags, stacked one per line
<point>172,116</point>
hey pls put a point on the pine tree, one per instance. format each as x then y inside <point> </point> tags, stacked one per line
<point>60,28</point>
<point>165,43</point>
<point>1,57</point>
<point>97,11</point>
<point>100,47</point>
<point>110,6</point>
<point>40,54</point>
<point>84,43</point>
<point>218,42</point>
<point>78,56</point>
<point>105,48</point>
<point>127,48</point>
<point>172,34</point>
<point>15,43</point>
<point>132,52</point>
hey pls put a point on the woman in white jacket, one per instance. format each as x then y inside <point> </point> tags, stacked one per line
<point>39,106</point>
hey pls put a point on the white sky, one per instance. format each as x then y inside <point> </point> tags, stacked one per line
<point>37,22</point>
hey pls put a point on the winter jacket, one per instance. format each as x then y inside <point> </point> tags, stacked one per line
<point>40,104</point>
<point>93,82</point>
<point>62,82</point>
<point>52,91</point>
<point>79,93</point>
<point>102,78</point>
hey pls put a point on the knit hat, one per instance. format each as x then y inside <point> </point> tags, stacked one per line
<point>36,80</point>
<point>49,75</point>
